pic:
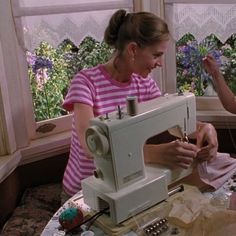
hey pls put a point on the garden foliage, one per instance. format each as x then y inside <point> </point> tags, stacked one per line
<point>51,69</point>
<point>191,75</point>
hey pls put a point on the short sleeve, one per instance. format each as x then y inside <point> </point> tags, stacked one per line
<point>81,91</point>
<point>155,91</point>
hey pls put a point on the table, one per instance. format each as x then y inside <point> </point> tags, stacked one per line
<point>51,229</point>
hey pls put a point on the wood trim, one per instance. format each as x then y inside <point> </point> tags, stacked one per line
<point>46,147</point>
<point>221,119</point>
<point>200,1</point>
<point>138,5</point>
<point>8,164</point>
<point>7,137</point>
<point>68,8</point>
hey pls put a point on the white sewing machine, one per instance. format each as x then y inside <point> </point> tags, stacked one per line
<point>122,181</point>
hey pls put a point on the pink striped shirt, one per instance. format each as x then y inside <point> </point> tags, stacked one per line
<point>96,88</point>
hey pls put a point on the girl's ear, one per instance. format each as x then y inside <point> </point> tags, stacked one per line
<point>132,49</point>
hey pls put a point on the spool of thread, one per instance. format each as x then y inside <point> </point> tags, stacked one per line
<point>87,233</point>
<point>132,105</point>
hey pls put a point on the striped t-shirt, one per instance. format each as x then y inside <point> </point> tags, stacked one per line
<point>96,88</point>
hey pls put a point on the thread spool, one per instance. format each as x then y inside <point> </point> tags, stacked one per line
<point>132,105</point>
<point>87,233</point>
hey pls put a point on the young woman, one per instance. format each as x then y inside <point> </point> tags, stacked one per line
<point>140,41</point>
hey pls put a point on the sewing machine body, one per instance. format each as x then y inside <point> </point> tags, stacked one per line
<point>123,182</point>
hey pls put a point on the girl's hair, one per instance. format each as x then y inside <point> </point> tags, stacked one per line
<point>144,28</point>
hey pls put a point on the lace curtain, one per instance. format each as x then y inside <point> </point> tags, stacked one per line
<point>53,22</point>
<point>201,20</point>
<point>55,28</point>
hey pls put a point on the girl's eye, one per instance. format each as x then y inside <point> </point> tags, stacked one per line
<point>157,55</point>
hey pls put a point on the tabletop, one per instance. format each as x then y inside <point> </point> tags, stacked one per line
<point>53,226</point>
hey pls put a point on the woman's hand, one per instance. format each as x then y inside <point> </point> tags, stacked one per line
<point>211,66</point>
<point>207,141</point>
<point>173,154</point>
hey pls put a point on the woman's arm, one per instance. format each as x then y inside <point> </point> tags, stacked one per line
<point>182,154</point>
<point>83,114</point>
<point>226,96</point>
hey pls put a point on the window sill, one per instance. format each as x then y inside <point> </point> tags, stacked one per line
<point>46,147</point>
<point>38,150</point>
<point>8,164</point>
<point>221,119</point>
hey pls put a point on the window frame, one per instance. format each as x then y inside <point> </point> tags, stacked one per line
<point>63,123</point>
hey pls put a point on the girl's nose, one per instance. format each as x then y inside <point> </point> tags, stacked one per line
<point>159,62</point>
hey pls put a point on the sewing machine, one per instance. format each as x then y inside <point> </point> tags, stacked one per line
<point>122,182</point>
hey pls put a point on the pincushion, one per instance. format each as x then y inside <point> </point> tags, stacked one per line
<point>70,218</point>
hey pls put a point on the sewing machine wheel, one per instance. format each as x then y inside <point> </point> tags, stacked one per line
<point>97,141</point>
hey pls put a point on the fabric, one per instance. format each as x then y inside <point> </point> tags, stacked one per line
<point>201,20</point>
<point>211,175</point>
<point>218,170</point>
<point>96,88</point>
<point>75,22</point>
<point>194,215</point>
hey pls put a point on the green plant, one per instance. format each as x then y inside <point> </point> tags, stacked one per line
<point>51,69</point>
<point>229,67</point>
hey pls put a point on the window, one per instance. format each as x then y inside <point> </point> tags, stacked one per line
<point>204,26</point>
<point>50,34</point>
<point>27,24</point>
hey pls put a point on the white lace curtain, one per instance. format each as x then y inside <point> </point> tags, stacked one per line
<point>201,20</point>
<point>54,21</point>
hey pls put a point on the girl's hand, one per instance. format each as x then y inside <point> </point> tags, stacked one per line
<point>172,154</point>
<point>207,142</point>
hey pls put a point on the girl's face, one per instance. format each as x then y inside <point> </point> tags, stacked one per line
<point>148,58</point>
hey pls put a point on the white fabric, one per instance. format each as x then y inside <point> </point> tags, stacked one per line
<point>55,21</point>
<point>202,19</point>
<point>55,28</point>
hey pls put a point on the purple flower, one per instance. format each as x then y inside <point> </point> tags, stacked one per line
<point>191,55</point>
<point>41,78</point>
<point>30,58</point>
<point>41,63</point>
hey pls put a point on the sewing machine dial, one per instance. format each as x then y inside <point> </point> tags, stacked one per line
<point>96,140</point>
